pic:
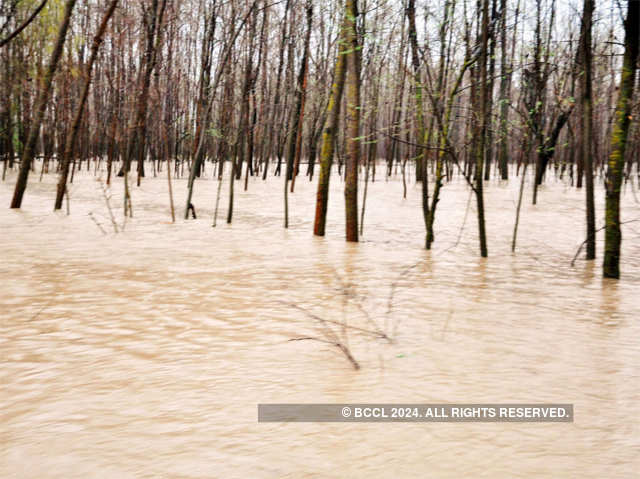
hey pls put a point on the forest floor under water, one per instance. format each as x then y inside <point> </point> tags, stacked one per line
<point>144,353</point>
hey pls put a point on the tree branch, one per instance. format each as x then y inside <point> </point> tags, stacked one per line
<point>26,23</point>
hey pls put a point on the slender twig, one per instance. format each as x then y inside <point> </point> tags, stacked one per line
<point>339,345</point>
<point>464,221</point>
<point>329,333</point>
<point>107,200</point>
<point>346,291</point>
<point>24,25</point>
<point>376,334</point>
<point>575,257</point>
<point>104,232</point>
<point>392,292</point>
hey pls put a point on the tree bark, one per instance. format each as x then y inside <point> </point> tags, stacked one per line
<point>329,135</point>
<point>613,235</point>
<point>417,81</point>
<point>71,138</point>
<point>295,139</point>
<point>29,151</point>
<point>482,129</point>
<point>353,123</point>
<point>587,124</point>
<point>24,24</point>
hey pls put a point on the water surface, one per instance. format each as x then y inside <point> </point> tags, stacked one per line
<point>145,353</point>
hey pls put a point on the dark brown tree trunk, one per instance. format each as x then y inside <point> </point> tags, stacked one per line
<point>482,129</point>
<point>137,142</point>
<point>329,135</point>
<point>41,105</point>
<point>587,119</point>
<point>613,235</point>
<point>24,24</point>
<point>275,112</point>
<point>353,123</point>
<point>489,107</point>
<point>293,155</point>
<point>204,85</point>
<point>72,136</point>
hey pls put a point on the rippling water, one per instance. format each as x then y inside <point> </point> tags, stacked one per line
<point>145,353</point>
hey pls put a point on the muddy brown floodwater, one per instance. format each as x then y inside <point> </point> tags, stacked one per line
<point>145,353</point>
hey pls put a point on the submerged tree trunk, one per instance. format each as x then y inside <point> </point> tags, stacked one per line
<point>275,109</point>
<point>613,236</point>
<point>300,101</point>
<point>297,113</point>
<point>70,142</point>
<point>482,130</point>
<point>540,78</point>
<point>329,135</point>
<point>29,151</point>
<point>137,141</point>
<point>353,123</point>
<point>204,91</point>
<point>587,122</point>
<point>225,112</point>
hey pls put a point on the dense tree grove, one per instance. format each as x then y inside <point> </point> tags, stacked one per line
<point>435,89</point>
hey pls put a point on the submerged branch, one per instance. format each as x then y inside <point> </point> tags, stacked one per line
<point>338,344</point>
<point>575,257</point>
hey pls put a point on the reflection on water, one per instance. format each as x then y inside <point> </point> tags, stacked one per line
<point>145,353</point>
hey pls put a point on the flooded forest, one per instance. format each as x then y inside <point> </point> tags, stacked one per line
<point>207,205</point>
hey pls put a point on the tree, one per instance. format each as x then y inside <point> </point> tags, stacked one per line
<point>29,151</point>
<point>482,128</point>
<point>329,134</point>
<point>353,122</point>
<point>301,95</point>
<point>72,137</point>
<point>24,24</point>
<point>587,123</point>
<point>421,159</point>
<point>417,84</point>
<point>152,21</point>
<point>297,112</point>
<point>506,73</point>
<point>613,235</point>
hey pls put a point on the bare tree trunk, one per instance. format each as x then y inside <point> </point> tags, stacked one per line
<point>29,151</point>
<point>488,158</point>
<point>353,123</point>
<point>204,89</point>
<point>226,55</point>
<point>297,113</point>
<point>541,75</point>
<point>303,96</point>
<point>275,112</point>
<point>613,236</point>
<point>137,141</point>
<point>417,85</point>
<point>505,89</point>
<point>71,138</point>
<point>396,111</point>
<point>24,24</point>
<point>587,124</point>
<point>329,136</point>
<point>482,129</point>
<point>245,107</point>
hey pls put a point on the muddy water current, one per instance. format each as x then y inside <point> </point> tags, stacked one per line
<point>144,353</point>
